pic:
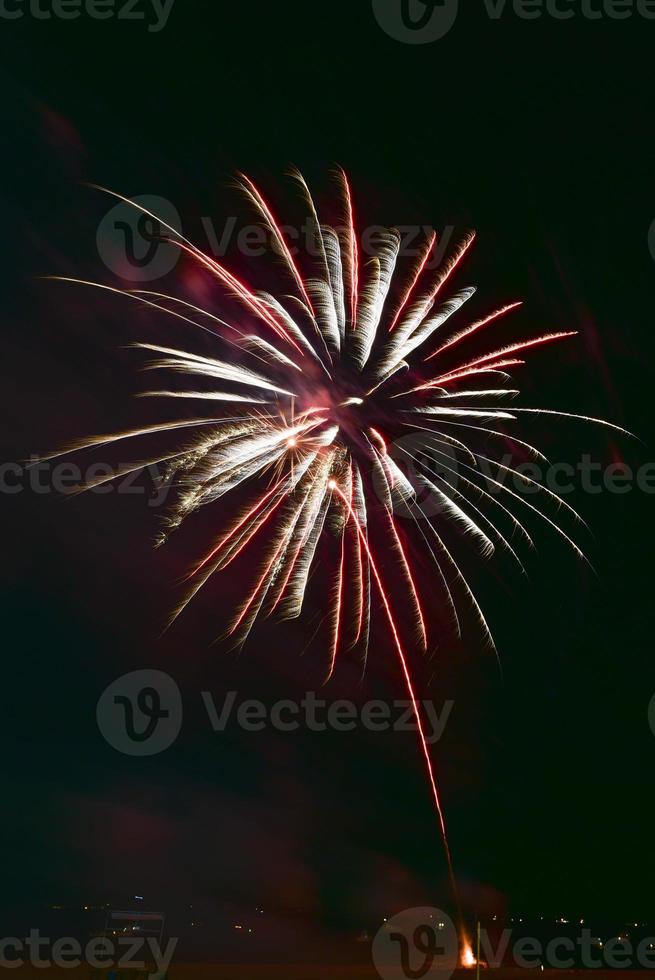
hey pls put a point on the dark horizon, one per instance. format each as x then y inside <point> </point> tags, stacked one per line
<point>537,135</point>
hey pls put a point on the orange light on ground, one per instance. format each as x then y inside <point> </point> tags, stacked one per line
<point>468,957</point>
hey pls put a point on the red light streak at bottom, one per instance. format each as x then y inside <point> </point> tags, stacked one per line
<point>408,680</point>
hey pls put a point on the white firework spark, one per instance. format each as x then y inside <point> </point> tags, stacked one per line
<point>304,413</point>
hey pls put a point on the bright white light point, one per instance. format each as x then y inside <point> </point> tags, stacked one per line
<point>332,484</point>
<point>292,442</point>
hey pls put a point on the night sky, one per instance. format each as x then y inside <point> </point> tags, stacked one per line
<point>539,135</point>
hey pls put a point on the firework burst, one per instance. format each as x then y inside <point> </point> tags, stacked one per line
<point>312,408</point>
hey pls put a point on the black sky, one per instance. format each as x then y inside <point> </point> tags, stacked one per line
<point>539,134</point>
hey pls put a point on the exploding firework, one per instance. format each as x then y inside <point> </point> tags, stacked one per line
<point>313,396</point>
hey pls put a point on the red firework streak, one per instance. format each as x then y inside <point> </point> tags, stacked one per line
<point>325,383</point>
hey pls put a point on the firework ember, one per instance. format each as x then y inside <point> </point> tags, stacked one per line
<point>311,395</point>
<point>468,959</point>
